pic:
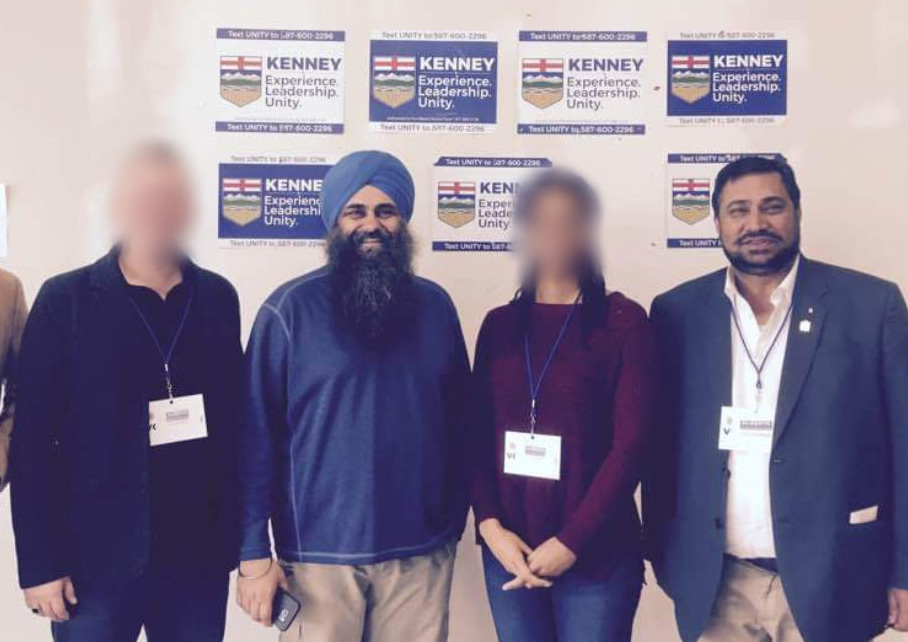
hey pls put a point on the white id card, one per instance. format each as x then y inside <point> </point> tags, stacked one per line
<point>745,430</point>
<point>532,455</point>
<point>178,419</point>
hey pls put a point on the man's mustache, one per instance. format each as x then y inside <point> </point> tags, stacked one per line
<point>760,234</point>
<point>375,235</point>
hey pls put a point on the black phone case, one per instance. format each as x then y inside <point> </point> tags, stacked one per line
<point>284,610</point>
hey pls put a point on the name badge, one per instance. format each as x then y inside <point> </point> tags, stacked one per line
<point>174,420</point>
<point>744,430</point>
<point>532,455</point>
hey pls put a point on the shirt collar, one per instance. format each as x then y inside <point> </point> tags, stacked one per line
<point>781,296</point>
<point>112,274</point>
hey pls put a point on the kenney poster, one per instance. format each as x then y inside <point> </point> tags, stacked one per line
<point>474,201</point>
<point>727,78</point>
<point>433,82</point>
<point>689,191</point>
<point>583,82</point>
<point>271,201</point>
<point>280,81</point>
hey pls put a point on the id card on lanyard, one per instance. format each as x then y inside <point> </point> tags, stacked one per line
<point>744,429</point>
<point>531,454</point>
<point>173,419</point>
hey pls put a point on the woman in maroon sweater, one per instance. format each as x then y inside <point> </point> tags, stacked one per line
<point>565,380</point>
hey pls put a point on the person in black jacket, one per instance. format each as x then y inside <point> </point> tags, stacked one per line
<point>123,479</point>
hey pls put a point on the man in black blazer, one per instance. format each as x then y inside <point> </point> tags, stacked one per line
<point>124,454</point>
<point>777,505</point>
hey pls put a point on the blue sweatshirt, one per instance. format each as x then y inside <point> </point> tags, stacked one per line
<point>354,453</point>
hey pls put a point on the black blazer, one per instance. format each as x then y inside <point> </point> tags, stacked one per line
<point>80,482</point>
<point>840,445</point>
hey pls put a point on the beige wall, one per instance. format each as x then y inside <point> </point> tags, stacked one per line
<point>81,78</point>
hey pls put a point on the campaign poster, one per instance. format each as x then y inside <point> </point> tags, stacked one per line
<point>271,201</point>
<point>433,82</point>
<point>582,82</point>
<point>727,78</point>
<point>474,201</point>
<point>689,190</point>
<point>279,81</point>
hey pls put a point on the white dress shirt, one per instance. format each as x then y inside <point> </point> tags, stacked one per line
<point>748,513</point>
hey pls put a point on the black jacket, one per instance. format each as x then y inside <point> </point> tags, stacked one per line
<point>81,482</point>
<point>840,445</point>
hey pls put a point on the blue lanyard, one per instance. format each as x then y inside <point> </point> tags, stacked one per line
<point>537,385</point>
<point>165,357</point>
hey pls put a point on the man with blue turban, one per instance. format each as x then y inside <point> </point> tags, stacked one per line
<point>353,436</point>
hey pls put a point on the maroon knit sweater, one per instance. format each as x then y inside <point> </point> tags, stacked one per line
<point>599,395</point>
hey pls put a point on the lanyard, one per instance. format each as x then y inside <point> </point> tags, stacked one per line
<point>535,386</point>
<point>759,367</point>
<point>165,357</point>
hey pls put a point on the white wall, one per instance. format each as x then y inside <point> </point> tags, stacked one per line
<point>81,78</point>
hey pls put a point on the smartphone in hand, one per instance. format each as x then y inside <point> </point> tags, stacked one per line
<point>284,610</point>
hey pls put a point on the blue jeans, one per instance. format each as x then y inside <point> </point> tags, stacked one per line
<point>575,609</point>
<point>170,609</point>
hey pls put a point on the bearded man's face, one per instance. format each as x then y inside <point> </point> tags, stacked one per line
<point>370,255</point>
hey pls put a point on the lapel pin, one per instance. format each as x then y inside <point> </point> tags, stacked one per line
<point>804,326</point>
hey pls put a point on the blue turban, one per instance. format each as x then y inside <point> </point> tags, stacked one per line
<point>354,171</point>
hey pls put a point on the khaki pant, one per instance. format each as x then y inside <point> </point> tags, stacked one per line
<point>393,601</point>
<point>751,607</point>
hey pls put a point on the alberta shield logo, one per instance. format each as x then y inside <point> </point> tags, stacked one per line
<point>394,79</point>
<point>690,199</point>
<point>241,79</point>
<point>690,77</point>
<point>241,199</point>
<point>456,202</point>
<point>542,81</point>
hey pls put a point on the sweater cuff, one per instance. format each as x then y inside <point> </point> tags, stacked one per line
<point>34,576</point>
<point>898,579</point>
<point>256,543</point>
<point>485,509</point>
<point>250,554</point>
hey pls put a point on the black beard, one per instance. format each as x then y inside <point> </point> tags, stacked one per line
<point>372,294</point>
<point>778,263</point>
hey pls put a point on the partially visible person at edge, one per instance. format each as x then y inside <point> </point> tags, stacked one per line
<point>12,321</point>
<point>123,477</point>
<point>777,506</point>
<point>565,388</point>
<point>352,442</point>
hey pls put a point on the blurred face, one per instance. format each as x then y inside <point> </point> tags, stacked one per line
<point>556,234</point>
<point>758,225</point>
<point>153,206</point>
<point>370,218</point>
